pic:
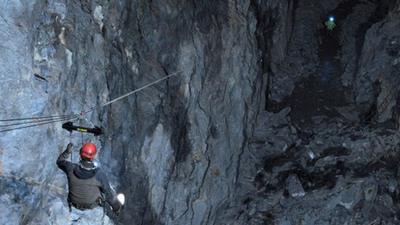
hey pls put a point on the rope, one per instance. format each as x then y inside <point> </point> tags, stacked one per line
<point>35,118</point>
<point>70,141</point>
<point>42,120</point>
<point>131,93</point>
<point>38,124</point>
<point>30,122</point>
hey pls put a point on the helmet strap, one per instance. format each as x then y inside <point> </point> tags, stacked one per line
<point>82,162</point>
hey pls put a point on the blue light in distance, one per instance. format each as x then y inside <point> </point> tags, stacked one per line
<point>331,18</point>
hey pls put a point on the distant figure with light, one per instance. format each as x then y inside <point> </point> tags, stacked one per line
<point>330,23</point>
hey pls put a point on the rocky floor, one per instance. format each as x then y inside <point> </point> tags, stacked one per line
<point>333,172</point>
<point>319,158</point>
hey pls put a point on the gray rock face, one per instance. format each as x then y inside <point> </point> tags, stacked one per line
<point>294,186</point>
<point>271,120</point>
<point>376,83</point>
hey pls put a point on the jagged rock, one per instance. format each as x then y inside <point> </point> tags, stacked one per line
<point>370,191</point>
<point>350,197</point>
<point>259,90</point>
<point>349,113</point>
<point>294,186</point>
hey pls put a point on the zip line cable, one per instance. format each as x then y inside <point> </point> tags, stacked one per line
<point>139,89</point>
<point>35,118</point>
<point>38,124</point>
<point>131,93</point>
<point>42,120</point>
<point>33,121</point>
<point>35,125</point>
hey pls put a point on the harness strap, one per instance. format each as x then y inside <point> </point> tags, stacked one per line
<point>82,206</point>
<point>69,205</point>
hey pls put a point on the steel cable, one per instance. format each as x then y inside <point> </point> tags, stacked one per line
<point>33,121</point>
<point>38,124</point>
<point>130,93</point>
<point>42,120</point>
<point>35,118</point>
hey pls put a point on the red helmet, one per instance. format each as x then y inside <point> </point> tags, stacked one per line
<point>88,151</point>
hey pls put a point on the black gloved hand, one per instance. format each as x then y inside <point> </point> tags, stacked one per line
<point>69,147</point>
<point>117,212</point>
<point>116,207</point>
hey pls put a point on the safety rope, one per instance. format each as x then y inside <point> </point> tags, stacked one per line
<point>38,124</point>
<point>36,118</point>
<point>70,141</point>
<point>28,122</point>
<point>130,93</point>
<point>33,121</point>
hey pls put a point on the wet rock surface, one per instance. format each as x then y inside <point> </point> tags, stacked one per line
<point>272,120</point>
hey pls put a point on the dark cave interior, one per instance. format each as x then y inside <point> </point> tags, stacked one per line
<point>273,117</point>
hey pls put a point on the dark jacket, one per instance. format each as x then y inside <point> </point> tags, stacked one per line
<point>87,184</point>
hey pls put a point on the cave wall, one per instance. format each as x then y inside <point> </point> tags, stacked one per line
<point>178,147</point>
<point>377,80</point>
<point>192,149</point>
<point>53,64</point>
<point>184,145</point>
<point>286,44</point>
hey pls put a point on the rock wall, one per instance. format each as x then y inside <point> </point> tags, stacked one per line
<point>53,64</point>
<point>263,124</point>
<point>182,150</point>
<point>376,81</point>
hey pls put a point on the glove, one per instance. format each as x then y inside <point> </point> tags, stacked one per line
<point>69,147</point>
<point>117,212</point>
<point>116,206</point>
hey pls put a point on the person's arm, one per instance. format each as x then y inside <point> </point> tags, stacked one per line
<point>62,161</point>
<point>109,193</point>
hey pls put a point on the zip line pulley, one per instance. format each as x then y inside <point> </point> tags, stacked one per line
<point>69,126</point>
